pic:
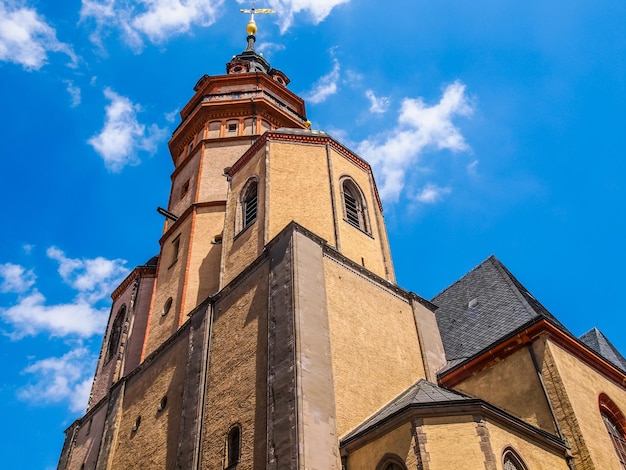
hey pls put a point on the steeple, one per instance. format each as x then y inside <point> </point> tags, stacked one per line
<point>251,61</point>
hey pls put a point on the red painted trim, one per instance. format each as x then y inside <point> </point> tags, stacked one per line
<point>530,334</point>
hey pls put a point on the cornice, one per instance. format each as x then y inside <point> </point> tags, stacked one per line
<point>526,335</point>
<point>139,271</point>
<point>476,408</point>
<point>305,138</point>
<point>186,213</point>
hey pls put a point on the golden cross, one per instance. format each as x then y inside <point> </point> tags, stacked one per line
<point>251,28</point>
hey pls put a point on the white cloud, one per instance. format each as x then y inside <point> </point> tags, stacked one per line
<point>57,379</point>
<point>92,278</point>
<point>122,135</point>
<point>318,10</point>
<point>171,117</point>
<point>156,20</point>
<point>419,127</point>
<point>15,278</point>
<point>378,105</point>
<point>26,38</point>
<point>325,86</point>
<point>269,47</point>
<point>32,316</point>
<point>431,194</point>
<point>74,92</point>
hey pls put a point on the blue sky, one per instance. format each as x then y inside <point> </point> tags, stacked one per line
<point>494,127</point>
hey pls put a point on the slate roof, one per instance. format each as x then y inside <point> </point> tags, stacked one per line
<point>600,344</point>
<point>482,308</point>
<point>422,393</point>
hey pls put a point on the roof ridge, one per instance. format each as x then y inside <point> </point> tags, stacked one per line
<point>510,280</point>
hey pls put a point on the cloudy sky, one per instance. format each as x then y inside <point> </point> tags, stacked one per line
<point>494,127</point>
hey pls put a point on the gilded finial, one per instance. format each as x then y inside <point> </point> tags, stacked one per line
<point>251,27</point>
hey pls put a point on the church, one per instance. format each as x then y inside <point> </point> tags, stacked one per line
<point>270,333</point>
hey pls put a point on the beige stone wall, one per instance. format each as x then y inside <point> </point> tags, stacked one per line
<point>374,345</point>
<point>188,173</point>
<point>299,189</point>
<point>240,248</point>
<point>220,154</point>
<point>513,385</point>
<point>366,249</point>
<point>204,263</point>
<point>581,386</point>
<point>533,455</point>
<point>154,444</point>
<point>452,443</point>
<point>170,279</point>
<point>237,383</point>
<point>399,442</point>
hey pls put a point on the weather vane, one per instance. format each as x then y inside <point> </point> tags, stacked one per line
<point>251,28</point>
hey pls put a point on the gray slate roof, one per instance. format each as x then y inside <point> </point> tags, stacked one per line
<point>600,344</point>
<point>422,393</point>
<point>482,308</point>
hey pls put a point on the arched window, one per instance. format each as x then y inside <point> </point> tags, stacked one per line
<point>354,209</point>
<point>234,446</point>
<point>391,462</point>
<point>512,461</point>
<point>249,203</point>
<point>115,334</point>
<point>615,424</point>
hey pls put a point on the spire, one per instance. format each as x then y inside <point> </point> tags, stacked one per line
<point>249,60</point>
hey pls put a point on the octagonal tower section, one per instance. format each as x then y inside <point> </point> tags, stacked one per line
<point>224,118</point>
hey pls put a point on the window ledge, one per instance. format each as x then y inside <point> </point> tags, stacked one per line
<point>358,228</point>
<point>241,232</point>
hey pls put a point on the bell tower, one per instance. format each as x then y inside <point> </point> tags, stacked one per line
<point>225,116</point>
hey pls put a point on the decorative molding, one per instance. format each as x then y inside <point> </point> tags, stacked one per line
<point>523,336</point>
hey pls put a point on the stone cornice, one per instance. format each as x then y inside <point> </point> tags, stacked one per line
<point>305,137</point>
<point>473,407</point>
<point>139,271</point>
<point>526,335</point>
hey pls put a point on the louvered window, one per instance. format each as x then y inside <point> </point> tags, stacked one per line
<point>354,207</point>
<point>619,443</point>
<point>250,203</point>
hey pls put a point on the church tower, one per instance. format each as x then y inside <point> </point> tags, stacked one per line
<point>270,323</point>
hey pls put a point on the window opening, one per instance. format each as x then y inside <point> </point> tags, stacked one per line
<point>234,445</point>
<point>354,207</point>
<point>250,204</point>
<point>162,403</point>
<point>137,423</point>
<point>167,306</point>
<point>512,461</point>
<point>184,189</point>
<point>617,437</point>
<point>175,249</point>
<point>116,334</point>
<point>190,149</point>
<point>232,127</point>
